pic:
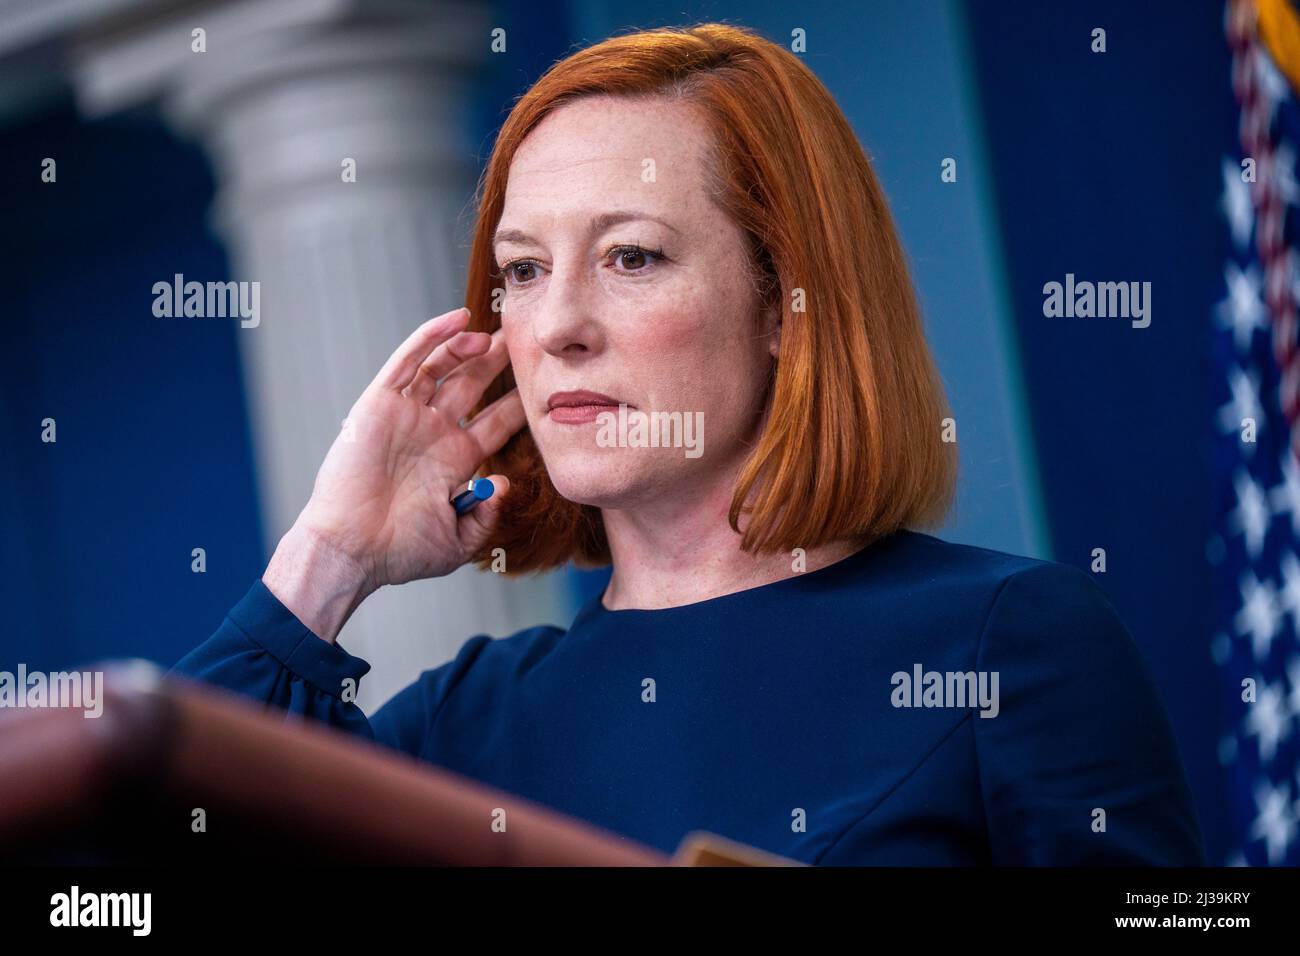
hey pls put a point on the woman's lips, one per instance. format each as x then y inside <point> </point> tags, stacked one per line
<point>579,408</point>
<point>579,414</point>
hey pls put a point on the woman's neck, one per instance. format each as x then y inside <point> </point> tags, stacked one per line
<point>682,550</point>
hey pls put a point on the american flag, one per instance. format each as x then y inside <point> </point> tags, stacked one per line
<point>1256,446</point>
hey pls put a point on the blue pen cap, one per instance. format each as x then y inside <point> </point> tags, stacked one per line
<point>477,490</point>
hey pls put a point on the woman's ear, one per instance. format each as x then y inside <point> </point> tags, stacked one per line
<point>774,329</point>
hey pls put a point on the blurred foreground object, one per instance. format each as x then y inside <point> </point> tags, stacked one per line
<point>177,772</point>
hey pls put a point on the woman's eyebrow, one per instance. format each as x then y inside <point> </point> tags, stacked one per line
<point>598,225</point>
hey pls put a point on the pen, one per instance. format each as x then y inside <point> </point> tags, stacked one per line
<point>478,489</point>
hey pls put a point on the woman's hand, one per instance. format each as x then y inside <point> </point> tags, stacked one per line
<point>380,512</point>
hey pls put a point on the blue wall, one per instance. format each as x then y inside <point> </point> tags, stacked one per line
<point>1107,166</point>
<point>152,457</point>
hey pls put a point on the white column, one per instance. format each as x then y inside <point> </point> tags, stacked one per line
<point>346,270</point>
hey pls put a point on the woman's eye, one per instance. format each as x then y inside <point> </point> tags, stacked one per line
<point>634,258</point>
<point>511,270</point>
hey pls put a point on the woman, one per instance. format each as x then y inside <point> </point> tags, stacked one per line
<point>682,221</point>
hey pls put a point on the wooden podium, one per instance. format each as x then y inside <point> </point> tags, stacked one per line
<point>133,786</point>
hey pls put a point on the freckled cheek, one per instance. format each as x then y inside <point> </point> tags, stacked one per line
<point>512,328</point>
<point>523,350</point>
<point>668,352</point>
<point>665,329</point>
<point>517,315</point>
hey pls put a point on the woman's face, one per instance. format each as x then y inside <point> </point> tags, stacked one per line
<point>623,279</point>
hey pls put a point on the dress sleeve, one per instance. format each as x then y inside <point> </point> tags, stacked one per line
<point>1080,765</point>
<point>262,651</point>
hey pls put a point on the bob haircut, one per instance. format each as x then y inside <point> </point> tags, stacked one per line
<point>853,444</point>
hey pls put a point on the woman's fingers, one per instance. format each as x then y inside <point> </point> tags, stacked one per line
<point>462,389</point>
<point>493,426</point>
<point>459,348</point>
<point>403,363</point>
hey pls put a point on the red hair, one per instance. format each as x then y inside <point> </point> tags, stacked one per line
<point>856,410</point>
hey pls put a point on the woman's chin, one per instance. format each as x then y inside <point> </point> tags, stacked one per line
<point>599,487</point>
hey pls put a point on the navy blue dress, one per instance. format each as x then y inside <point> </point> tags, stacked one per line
<point>790,716</point>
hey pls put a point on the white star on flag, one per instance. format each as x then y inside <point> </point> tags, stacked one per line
<point>1251,514</point>
<point>1275,824</point>
<point>1243,404</point>
<point>1260,614</point>
<point>1268,720</point>
<point>1272,85</point>
<point>1236,203</point>
<point>1243,310</point>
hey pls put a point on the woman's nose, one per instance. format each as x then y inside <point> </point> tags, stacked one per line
<point>566,321</point>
